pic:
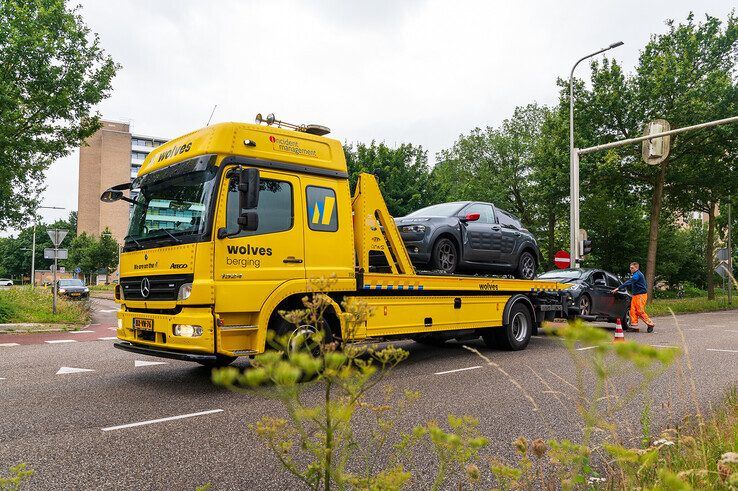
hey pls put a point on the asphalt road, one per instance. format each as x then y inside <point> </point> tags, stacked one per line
<point>73,427</point>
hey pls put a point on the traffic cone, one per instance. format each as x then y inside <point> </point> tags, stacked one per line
<point>619,335</point>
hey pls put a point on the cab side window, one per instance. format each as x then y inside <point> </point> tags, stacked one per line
<point>275,208</point>
<point>321,209</point>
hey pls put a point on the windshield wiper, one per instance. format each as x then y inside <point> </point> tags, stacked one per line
<point>179,241</point>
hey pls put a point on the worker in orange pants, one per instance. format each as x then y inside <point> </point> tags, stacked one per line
<point>640,296</point>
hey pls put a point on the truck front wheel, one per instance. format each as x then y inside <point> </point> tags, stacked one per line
<point>513,336</point>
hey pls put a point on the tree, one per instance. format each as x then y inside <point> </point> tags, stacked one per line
<point>93,255</point>
<point>52,74</point>
<point>402,173</point>
<point>684,76</point>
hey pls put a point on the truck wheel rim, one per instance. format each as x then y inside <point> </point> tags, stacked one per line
<point>446,256</point>
<point>528,268</point>
<point>303,338</point>
<point>519,326</point>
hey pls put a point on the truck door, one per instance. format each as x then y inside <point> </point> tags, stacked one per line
<point>481,237</point>
<point>250,265</point>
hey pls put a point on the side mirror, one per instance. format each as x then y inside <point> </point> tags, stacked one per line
<point>470,217</point>
<point>248,221</point>
<point>248,189</point>
<point>111,195</point>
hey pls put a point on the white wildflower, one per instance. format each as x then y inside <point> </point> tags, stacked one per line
<point>663,442</point>
<point>595,480</point>
<point>729,458</point>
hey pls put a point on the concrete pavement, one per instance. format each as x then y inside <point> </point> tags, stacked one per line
<point>74,427</point>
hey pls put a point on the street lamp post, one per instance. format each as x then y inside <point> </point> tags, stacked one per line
<point>574,164</point>
<point>33,246</point>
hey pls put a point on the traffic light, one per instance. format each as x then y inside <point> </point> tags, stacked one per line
<point>585,246</point>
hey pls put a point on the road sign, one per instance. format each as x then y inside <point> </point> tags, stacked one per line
<point>57,235</point>
<point>60,253</point>
<point>77,270</point>
<point>562,259</point>
<point>722,254</point>
<point>655,151</point>
<point>722,269</point>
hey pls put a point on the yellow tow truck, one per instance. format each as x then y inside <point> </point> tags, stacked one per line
<point>229,225</point>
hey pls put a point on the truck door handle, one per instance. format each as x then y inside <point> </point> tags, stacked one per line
<point>291,259</point>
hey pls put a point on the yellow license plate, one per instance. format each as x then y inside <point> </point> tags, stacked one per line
<point>74,294</point>
<point>143,324</point>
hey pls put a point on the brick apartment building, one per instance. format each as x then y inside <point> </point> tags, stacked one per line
<point>111,156</point>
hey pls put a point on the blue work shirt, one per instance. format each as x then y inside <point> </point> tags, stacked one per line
<point>637,283</point>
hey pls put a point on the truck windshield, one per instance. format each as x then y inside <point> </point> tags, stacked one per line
<point>172,204</point>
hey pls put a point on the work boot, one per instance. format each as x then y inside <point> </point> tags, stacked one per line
<point>650,328</point>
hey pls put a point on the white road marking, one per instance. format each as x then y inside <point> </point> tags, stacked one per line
<point>2,378</point>
<point>61,341</point>
<point>108,338</point>
<point>112,328</point>
<point>586,348</point>
<point>139,363</point>
<point>65,370</point>
<point>723,350</point>
<point>457,370</point>
<point>79,332</point>
<point>731,330</point>
<point>7,345</point>
<point>695,329</point>
<point>664,346</point>
<point>161,420</point>
<point>108,311</point>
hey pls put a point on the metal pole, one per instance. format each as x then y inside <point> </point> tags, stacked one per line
<point>620,143</point>
<point>574,165</point>
<point>53,301</point>
<point>730,252</point>
<point>33,255</point>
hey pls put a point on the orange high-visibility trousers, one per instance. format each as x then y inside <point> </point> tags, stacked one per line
<point>638,310</point>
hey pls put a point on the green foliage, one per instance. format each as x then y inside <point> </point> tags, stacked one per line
<point>53,73</point>
<point>15,479</point>
<point>402,174</point>
<point>23,304</point>
<point>93,254</point>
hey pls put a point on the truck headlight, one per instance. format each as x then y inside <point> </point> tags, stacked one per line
<point>187,330</point>
<point>184,291</point>
<point>413,229</point>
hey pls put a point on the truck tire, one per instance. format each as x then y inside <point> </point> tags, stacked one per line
<point>293,333</point>
<point>445,255</point>
<point>515,335</point>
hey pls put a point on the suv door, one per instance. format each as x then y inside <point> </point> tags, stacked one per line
<point>511,238</point>
<point>621,300</point>
<point>480,238</point>
<point>251,264</point>
<point>602,299</point>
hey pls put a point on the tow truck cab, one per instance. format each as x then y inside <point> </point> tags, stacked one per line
<point>230,223</point>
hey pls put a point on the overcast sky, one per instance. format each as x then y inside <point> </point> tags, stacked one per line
<point>412,71</point>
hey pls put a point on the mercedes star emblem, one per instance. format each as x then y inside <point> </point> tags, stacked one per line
<point>145,288</point>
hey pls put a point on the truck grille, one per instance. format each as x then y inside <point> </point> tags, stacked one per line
<point>162,287</point>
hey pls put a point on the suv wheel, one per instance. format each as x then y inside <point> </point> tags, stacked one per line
<point>445,256</point>
<point>526,266</point>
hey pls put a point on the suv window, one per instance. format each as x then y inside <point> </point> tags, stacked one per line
<point>597,275</point>
<point>508,221</point>
<point>486,213</point>
<point>275,207</point>
<point>612,281</point>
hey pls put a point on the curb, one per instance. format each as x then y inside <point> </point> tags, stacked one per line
<point>75,327</point>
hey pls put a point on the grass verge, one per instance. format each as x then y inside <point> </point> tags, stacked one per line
<point>660,307</point>
<point>23,304</point>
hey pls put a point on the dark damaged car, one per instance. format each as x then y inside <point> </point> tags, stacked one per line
<point>471,236</point>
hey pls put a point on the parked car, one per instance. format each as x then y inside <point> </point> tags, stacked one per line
<point>591,290</point>
<point>469,235</point>
<point>6,282</point>
<point>72,288</point>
